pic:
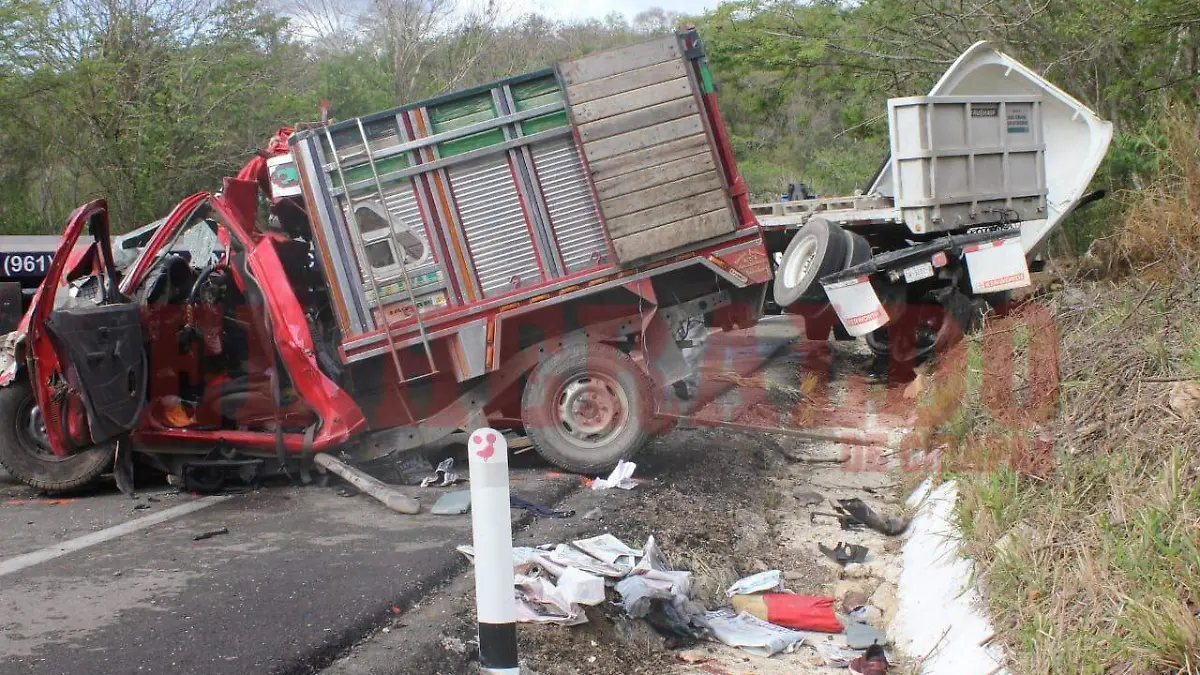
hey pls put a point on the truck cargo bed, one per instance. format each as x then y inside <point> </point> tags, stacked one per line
<point>602,166</point>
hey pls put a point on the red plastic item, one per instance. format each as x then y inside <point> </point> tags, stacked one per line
<point>801,612</point>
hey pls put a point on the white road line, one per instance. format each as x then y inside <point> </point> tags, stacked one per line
<point>18,563</point>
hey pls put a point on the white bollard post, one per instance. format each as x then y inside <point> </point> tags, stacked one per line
<point>491,526</point>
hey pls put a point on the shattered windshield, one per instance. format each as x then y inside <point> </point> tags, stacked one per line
<point>197,241</point>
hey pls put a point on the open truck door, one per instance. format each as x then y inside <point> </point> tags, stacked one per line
<point>86,365</point>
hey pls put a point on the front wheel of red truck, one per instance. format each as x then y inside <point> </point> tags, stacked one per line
<point>25,449</point>
<point>587,407</point>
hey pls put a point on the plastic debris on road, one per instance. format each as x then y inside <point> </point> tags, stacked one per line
<point>771,580</point>
<point>621,477</point>
<point>751,633</point>
<point>833,655</point>
<point>801,612</point>
<point>444,476</point>
<point>452,503</point>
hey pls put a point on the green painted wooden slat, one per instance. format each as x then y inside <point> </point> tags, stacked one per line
<point>473,142</point>
<point>363,171</point>
<point>541,123</point>
<point>534,93</point>
<point>459,113</point>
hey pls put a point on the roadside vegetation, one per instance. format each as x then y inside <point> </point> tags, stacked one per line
<point>146,101</point>
<point>1078,466</point>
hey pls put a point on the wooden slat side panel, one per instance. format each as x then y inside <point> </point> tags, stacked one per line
<point>606,170</point>
<point>661,215</point>
<point>604,64</point>
<point>637,99</point>
<point>627,81</point>
<point>642,138</point>
<point>655,175</point>
<point>663,194</point>
<point>638,118</point>
<point>673,235</point>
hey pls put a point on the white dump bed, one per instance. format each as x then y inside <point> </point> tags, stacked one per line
<point>967,161</point>
<point>1076,139</point>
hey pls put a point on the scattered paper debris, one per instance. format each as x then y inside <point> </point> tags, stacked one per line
<point>569,556</point>
<point>579,587</point>
<point>609,549</point>
<point>540,601</point>
<point>751,633</point>
<point>621,477</point>
<point>771,580</point>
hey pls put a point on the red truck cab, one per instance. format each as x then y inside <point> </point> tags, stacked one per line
<point>521,254</point>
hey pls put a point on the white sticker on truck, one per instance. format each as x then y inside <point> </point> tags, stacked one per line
<point>997,265</point>
<point>857,305</point>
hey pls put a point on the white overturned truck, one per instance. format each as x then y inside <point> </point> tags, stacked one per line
<point>981,172</point>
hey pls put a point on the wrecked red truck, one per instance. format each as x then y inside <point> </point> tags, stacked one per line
<point>520,254</point>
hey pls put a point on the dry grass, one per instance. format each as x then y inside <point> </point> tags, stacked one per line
<point>1098,506</point>
<point>1161,231</point>
<point>1069,425</point>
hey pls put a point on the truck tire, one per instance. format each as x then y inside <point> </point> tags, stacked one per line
<point>587,407</point>
<point>819,248</point>
<point>25,451</point>
<point>940,328</point>
<point>858,252</point>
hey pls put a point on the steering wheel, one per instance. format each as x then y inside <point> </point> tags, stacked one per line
<point>189,332</point>
<point>219,268</point>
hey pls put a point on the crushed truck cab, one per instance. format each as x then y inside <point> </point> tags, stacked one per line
<point>521,254</point>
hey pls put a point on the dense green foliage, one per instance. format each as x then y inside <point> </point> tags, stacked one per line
<point>145,101</point>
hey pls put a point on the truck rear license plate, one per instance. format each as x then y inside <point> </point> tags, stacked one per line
<point>918,272</point>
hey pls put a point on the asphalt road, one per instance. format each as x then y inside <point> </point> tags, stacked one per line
<point>302,575</point>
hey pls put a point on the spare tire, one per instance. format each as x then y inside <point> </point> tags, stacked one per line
<point>818,249</point>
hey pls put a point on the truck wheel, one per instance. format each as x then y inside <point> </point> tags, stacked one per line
<point>25,449</point>
<point>587,407</point>
<point>819,248</point>
<point>859,250</point>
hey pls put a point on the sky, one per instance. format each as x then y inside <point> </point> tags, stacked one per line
<point>598,9</point>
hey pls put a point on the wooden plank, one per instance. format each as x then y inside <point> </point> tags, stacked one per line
<point>638,119</point>
<point>642,138</point>
<point>631,100</point>
<point>673,235</point>
<point>661,194</point>
<point>649,157</point>
<point>667,213</point>
<point>656,175</point>
<point>627,81</point>
<point>613,61</point>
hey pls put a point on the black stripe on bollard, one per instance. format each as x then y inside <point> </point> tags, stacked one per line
<point>498,645</point>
